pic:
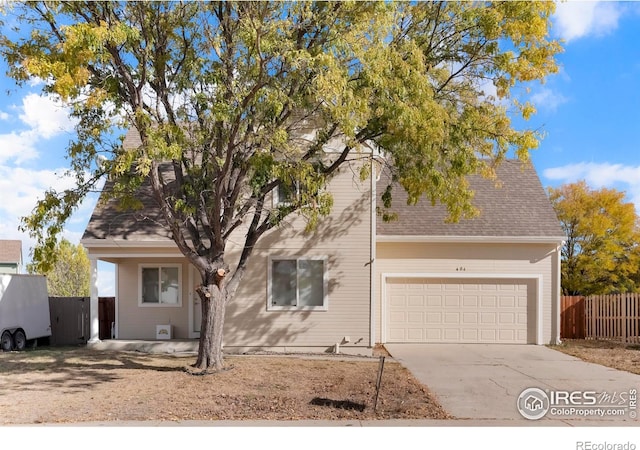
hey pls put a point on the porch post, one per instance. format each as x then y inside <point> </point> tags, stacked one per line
<point>94,324</point>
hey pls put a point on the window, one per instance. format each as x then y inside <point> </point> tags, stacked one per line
<point>160,285</point>
<point>297,284</point>
<point>295,191</point>
<point>286,194</point>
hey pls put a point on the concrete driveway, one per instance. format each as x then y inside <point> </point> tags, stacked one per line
<point>484,381</point>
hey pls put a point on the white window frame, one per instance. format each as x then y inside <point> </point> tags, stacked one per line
<point>325,284</point>
<point>159,267</point>
<point>277,201</point>
<point>295,187</point>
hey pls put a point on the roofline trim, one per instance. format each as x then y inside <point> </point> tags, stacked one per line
<point>559,240</point>
<point>122,243</point>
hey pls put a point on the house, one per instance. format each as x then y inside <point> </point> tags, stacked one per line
<point>10,256</point>
<point>493,279</point>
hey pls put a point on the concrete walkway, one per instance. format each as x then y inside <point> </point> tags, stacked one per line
<point>481,382</point>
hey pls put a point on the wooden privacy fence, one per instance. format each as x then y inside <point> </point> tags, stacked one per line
<point>608,317</point>
<point>572,318</point>
<point>614,317</point>
<point>70,319</point>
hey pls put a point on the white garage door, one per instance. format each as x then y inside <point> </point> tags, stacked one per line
<point>455,310</point>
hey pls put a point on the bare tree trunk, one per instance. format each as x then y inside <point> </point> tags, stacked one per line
<point>214,298</point>
<point>211,329</point>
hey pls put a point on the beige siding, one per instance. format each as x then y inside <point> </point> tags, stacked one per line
<point>139,322</point>
<point>500,259</point>
<point>343,239</point>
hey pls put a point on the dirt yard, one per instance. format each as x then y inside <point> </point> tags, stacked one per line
<point>52,385</point>
<point>607,353</point>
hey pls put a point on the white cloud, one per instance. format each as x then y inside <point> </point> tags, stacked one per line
<point>548,99</point>
<point>576,19</point>
<point>45,118</point>
<point>599,175</point>
<point>45,115</point>
<point>19,147</point>
<point>4,115</point>
<point>21,189</point>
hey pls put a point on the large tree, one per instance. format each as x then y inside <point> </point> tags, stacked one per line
<point>69,273</point>
<point>223,93</point>
<point>601,253</point>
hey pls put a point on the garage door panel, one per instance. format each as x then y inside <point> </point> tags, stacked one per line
<point>415,317</point>
<point>433,318</point>
<point>507,335</point>
<point>461,310</point>
<point>488,318</point>
<point>452,301</point>
<point>470,335</point>
<point>397,335</point>
<point>470,318</point>
<point>451,318</point>
<point>507,302</point>
<point>470,300</point>
<point>415,334</point>
<point>522,318</point>
<point>489,287</point>
<point>488,335</point>
<point>507,319</point>
<point>398,300</point>
<point>398,318</point>
<point>434,335</point>
<point>488,301</point>
<point>451,334</point>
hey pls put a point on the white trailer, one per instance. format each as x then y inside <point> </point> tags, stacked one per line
<point>24,310</point>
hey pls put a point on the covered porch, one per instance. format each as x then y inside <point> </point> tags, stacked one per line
<point>137,317</point>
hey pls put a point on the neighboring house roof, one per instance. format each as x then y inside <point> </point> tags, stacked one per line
<point>10,252</point>
<point>518,208</point>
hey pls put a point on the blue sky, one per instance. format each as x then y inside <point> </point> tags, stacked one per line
<point>589,112</point>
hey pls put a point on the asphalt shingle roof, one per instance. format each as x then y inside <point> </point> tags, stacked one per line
<point>10,251</point>
<point>109,221</point>
<point>519,208</point>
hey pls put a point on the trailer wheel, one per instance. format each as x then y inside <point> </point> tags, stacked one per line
<point>6,342</point>
<point>19,340</point>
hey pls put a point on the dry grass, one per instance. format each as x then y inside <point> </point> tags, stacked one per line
<point>51,385</point>
<point>607,353</point>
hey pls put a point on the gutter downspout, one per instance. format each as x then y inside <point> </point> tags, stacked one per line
<point>558,288</point>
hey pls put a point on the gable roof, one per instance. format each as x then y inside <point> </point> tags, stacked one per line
<point>109,221</point>
<point>11,251</point>
<point>519,208</point>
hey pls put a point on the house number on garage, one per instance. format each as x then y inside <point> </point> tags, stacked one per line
<point>461,269</point>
